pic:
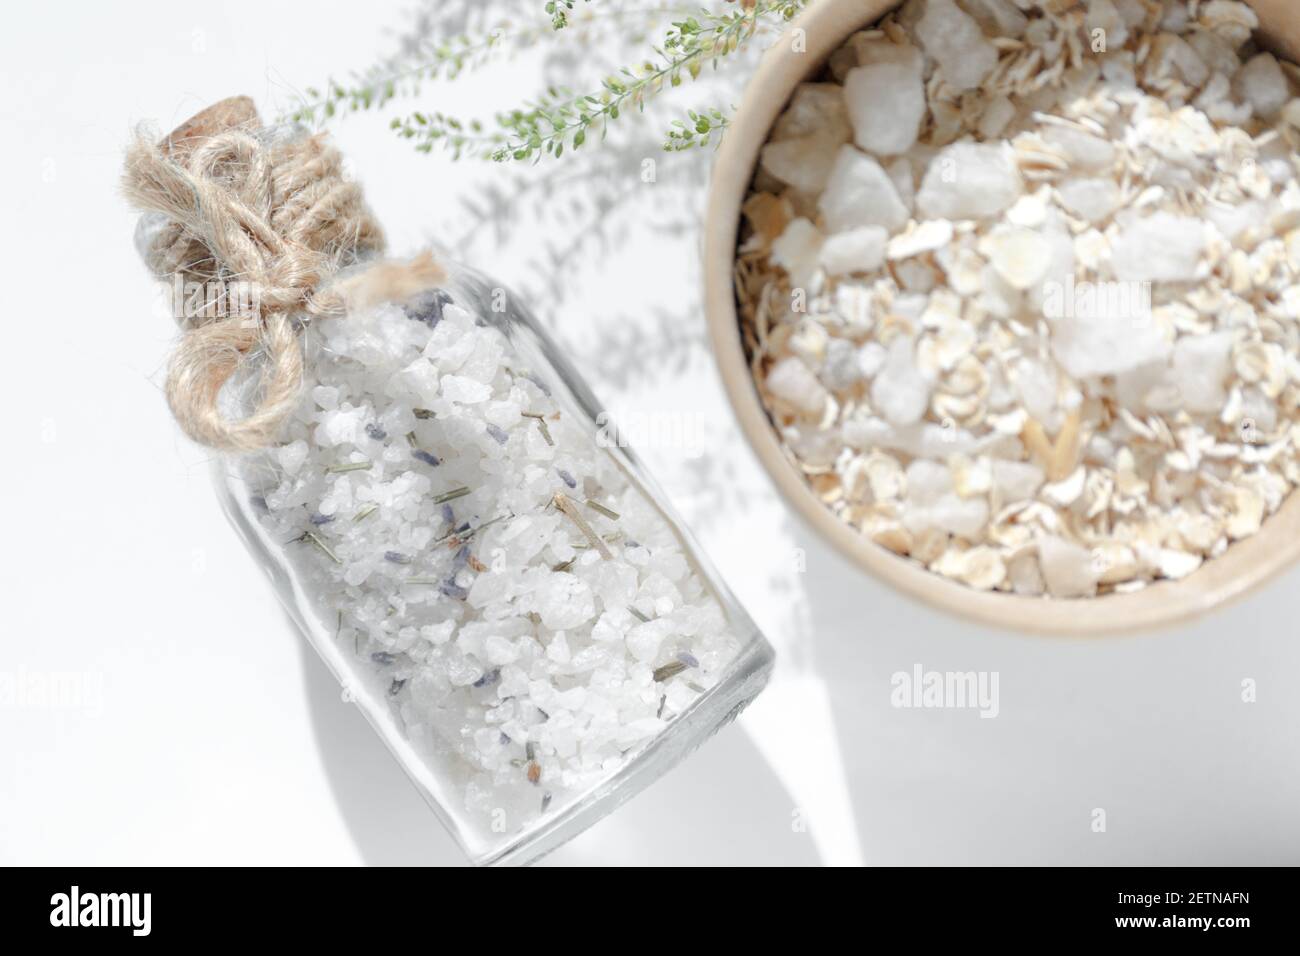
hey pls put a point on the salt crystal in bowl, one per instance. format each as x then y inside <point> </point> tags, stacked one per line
<point>848,173</point>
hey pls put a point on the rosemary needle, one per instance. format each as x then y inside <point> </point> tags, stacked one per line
<point>541,426</point>
<point>450,495</point>
<point>607,512</point>
<point>561,501</point>
<point>348,466</point>
<point>314,539</point>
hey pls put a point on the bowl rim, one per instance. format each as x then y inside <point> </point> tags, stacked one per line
<point>1244,566</point>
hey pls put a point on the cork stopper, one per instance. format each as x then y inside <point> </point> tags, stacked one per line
<point>227,114</point>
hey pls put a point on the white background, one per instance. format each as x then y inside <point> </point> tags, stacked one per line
<point>208,733</point>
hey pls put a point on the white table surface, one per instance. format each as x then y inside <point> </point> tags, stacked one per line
<point>204,731</point>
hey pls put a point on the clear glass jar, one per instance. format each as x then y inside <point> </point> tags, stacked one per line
<point>491,575</point>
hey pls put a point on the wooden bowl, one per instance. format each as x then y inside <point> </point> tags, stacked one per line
<point>1244,566</point>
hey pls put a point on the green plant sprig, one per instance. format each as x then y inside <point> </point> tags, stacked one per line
<point>698,129</point>
<point>561,120</point>
<point>559,11</point>
<point>378,85</point>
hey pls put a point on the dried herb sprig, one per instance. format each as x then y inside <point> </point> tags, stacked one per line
<point>560,119</point>
<point>320,543</point>
<point>607,512</point>
<point>349,466</point>
<point>570,510</point>
<point>451,495</point>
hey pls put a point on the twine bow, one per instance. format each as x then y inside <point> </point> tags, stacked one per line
<point>279,217</point>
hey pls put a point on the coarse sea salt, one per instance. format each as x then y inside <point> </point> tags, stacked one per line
<point>487,567</point>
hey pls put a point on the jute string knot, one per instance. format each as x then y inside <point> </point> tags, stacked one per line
<point>278,218</point>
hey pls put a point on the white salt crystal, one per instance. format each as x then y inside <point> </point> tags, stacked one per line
<point>871,358</point>
<point>1016,480</point>
<point>464,390</point>
<point>854,250</point>
<point>929,507</point>
<point>969,181</point>
<point>900,392</point>
<point>1200,368</point>
<point>1092,200</point>
<point>500,650</point>
<point>965,517</point>
<point>340,427</point>
<point>885,99</point>
<point>1187,59</point>
<point>1233,219</point>
<point>1162,247</point>
<point>997,114</point>
<point>1036,387</point>
<point>1068,569</point>
<point>965,56</point>
<point>1263,84</point>
<point>1024,575</point>
<point>900,174</point>
<point>927,481</point>
<point>421,377</point>
<point>860,193</point>
<point>1090,344</point>
<point>797,250</point>
<point>558,651</point>
<point>816,109</point>
<point>805,163</point>
<point>611,626</point>
<point>462,671</point>
<point>326,396</point>
<point>644,640</point>
<point>1102,15</point>
<point>291,456</point>
<point>792,381</point>
<point>841,368</point>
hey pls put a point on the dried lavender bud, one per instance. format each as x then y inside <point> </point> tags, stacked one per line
<point>421,455</point>
<point>375,432</point>
<point>382,657</point>
<point>567,478</point>
<point>397,557</point>
<point>667,671</point>
<point>427,306</point>
<point>497,433</point>
<point>454,590</point>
